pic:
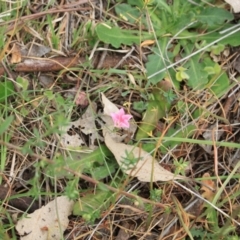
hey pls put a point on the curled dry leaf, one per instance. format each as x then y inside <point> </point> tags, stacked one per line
<point>208,188</point>
<point>48,222</point>
<point>16,54</point>
<point>131,78</point>
<point>147,43</point>
<point>146,169</point>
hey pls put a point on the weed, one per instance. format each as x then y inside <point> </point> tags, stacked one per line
<point>170,65</point>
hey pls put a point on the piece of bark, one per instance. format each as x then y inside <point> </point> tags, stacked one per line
<point>26,204</point>
<point>46,64</point>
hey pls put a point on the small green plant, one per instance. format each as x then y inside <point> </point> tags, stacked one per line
<point>156,195</point>
<point>180,166</point>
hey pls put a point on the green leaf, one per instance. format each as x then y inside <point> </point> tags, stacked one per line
<point>198,78</point>
<point>180,23</point>
<point>4,125</point>
<point>128,13</point>
<point>91,202</point>
<point>102,172</point>
<point>179,76</point>
<point>49,94</point>
<point>3,232</point>
<point>214,16</point>
<point>153,65</point>
<point>156,62</point>
<point>138,3</point>
<point>78,162</point>
<point>163,5</point>
<point>6,90</point>
<point>211,67</point>
<point>23,83</point>
<point>217,68</point>
<point>221,83</point>
<point>209,70</point>
<point>157,109</point>
<point>140,106</point>
<point>88,159</point>
<point>117,36</point>
<point>217,49</point>
<point>232,40</point>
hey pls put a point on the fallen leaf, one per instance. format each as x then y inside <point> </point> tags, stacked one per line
<point>131,78</point>
<point>208,188</point>
<point>235,4</point>
<point>109,107</point>
<point>146,169</point>
<point>147,43</point>
<point>16,54</point>
<point>71,136</point>
<point>48,222</point>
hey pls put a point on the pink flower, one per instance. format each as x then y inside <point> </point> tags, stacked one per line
<point>82,99</point>
<point>120,119</point>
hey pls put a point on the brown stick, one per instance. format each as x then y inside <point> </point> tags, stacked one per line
<point>60,63</point>
<point>46,64</point>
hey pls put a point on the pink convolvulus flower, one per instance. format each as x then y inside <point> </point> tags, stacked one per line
<point>120,119</point>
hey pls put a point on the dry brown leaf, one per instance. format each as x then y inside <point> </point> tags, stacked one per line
<point>16,54</point>
<point>48,222</point>
<point>208,188</point>
<point>147,43</point>
<point>143,168</point>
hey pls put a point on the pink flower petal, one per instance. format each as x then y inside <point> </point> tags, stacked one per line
<point>120,119</point>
